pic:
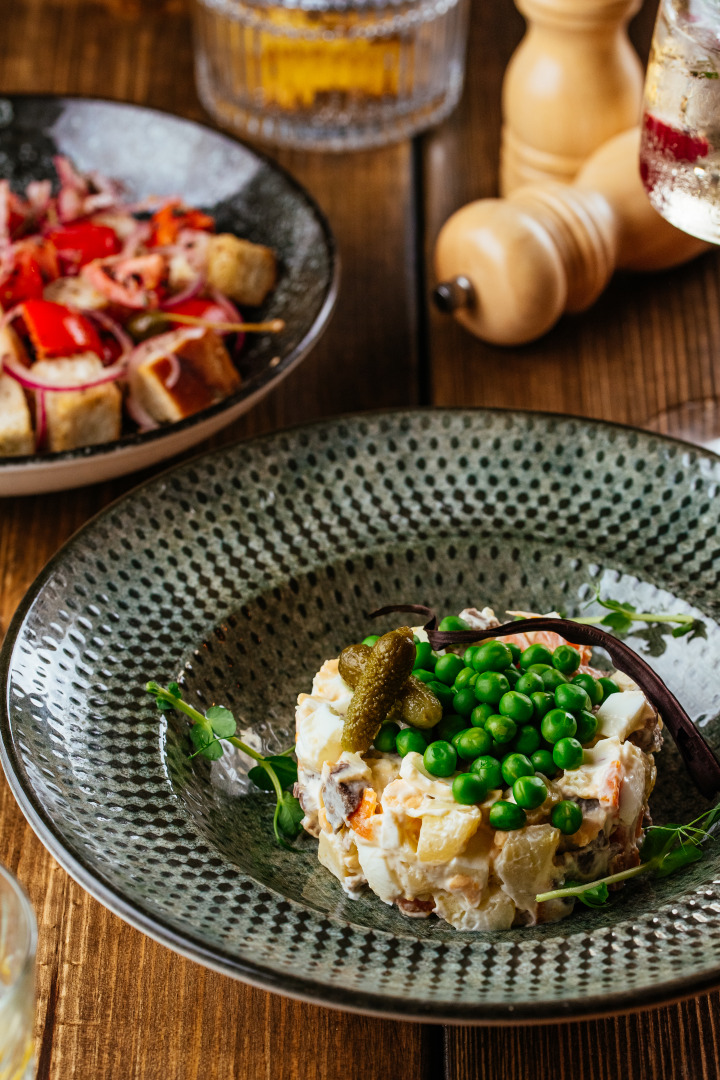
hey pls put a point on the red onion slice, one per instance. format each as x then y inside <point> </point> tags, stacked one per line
<point>174,371</point>
<point>136,412</point>
<point>27,380</point>
<point>188,293</point>
<point>40,419</point>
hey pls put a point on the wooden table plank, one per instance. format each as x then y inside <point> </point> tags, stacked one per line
<point>111,1002</point>
<point>649,343</point>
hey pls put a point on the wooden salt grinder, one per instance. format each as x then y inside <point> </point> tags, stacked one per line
<point>573,82</point>
<point>509,268</point>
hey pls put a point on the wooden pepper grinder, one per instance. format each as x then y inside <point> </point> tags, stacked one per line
<point>509,268</point>
<point>573,82</point>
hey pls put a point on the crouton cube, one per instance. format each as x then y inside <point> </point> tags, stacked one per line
<point>197,374</point>
<point>244,271</point>
<point>79,417</point>
<point>16,433</point>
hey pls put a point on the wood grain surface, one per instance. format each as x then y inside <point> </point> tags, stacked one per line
<point>111,1002</point>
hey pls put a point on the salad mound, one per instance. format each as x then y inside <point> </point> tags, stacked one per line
<point>116,315</point>
<point>464,783</point>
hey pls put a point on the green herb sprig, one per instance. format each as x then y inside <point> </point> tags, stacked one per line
<point>666,849</point>
<point>277,772</point>
<point>621,616</point>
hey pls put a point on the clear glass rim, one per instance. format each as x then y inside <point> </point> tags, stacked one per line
<point>29,924</point>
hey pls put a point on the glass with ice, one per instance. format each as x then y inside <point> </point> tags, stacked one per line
<point>680,145</point>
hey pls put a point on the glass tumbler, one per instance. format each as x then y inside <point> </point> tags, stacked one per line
<point>18,938</point>
<point>680,145</point>
<point>330,74</point>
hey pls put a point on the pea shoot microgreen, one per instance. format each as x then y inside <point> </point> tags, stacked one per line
<point>666,848</point>
<point>277,772</point>
<point>621,616</point>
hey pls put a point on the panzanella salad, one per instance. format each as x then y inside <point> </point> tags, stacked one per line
<point>469,782</point>
<point>116,315</point>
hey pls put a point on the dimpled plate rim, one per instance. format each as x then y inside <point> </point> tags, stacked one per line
<point>307,989</point>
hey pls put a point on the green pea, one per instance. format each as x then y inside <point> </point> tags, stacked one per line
<point>558,724</point>
<point>440,758</point>
<point>472,743</point>
<point>410,739</point>
<point>566,659</point>
<point>571,697</point>
<point>502,728</point>
<point>488,768</point>
<point>490,686</point>
<point>542,703</point>
<point>447,668</point>
<point>515,650</point>
<point>539,669</point>
<point>468,788</point>
<point>492,656</point>
<point>527,740</point>
<point>567,817</point>
<point>453,622</point>
<point>591,686</point>
<point>512,675</point>
<point>568,754</point>
<point>465,701</point>
<point>587,725</point>
<point>530,683</point>
<point>506,816</point>
<point>514,766</point>
<point>370,640</point>
<point>552,679</point>
<point>517,706</point>
<point>542,761</point>
<point>424,676</point>
<point>448,727</point>
<point>609,687</point>
<point>481,713</point>
<point>469,655</point>
<point>535,654</point>
<point>443,693</point>
<point>529,792</point>
<point>385,738</point>
<point>499,750</point>
<point>467,676</point>
<point>425,658</point>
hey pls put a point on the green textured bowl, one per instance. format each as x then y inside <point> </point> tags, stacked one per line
<point>240,572</point>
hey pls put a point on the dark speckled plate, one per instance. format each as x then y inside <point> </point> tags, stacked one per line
<point>239,573</point>
<point>154,153</point>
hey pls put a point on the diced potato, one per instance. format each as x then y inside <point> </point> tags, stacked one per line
<point>621,714</point>
<point>206,375</point>
<point>525,863</point>
<point>443,837</point>
<point>337,857</point>
<point>319,730</point>
<point>244,271</point>
<point>16,432</point>
<point>79,417</point>
<point>496,912</point>
<point>378,872</point>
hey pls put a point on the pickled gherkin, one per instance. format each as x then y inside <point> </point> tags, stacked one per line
<point>415,704</point>
<point>384,675</point>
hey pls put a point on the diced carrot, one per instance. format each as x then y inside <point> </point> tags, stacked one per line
<point>360,820</point>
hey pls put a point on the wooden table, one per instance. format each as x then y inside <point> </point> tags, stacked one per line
<point>111,1002</point>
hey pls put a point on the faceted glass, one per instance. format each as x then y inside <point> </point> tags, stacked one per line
<point>18,936</point>
<point>330,74</point>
